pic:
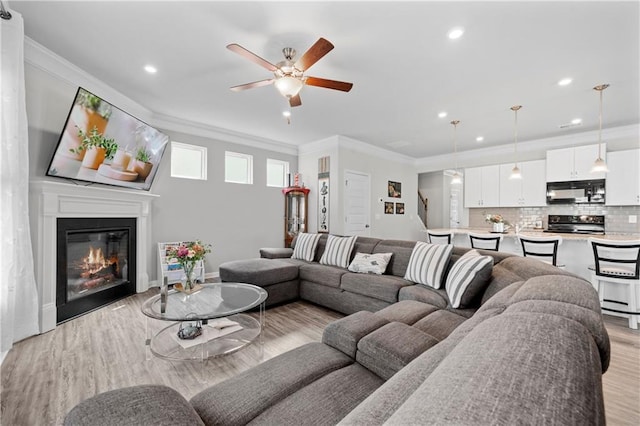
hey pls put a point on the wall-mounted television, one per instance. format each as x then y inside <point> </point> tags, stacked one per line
<point>103,144</point>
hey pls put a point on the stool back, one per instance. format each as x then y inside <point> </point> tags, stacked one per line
<point>485,241</point>
<point>543,248</point>
<point>616,259</point>
<point>439,237</point>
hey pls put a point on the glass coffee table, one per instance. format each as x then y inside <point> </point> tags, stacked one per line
<point>216,307</point>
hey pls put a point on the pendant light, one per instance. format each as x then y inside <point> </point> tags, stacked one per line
<point>599,166</point>
<point>515,172</point>
<point>457,177</point>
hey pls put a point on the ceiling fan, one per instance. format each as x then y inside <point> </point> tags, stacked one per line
<point>288,76</point>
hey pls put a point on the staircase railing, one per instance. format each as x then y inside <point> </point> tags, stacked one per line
<point>423,206</point>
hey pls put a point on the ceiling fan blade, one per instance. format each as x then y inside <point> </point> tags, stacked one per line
<point>252,85</point>
<point>313,55</point>
<point>251,56</point>
<point>295,101</point>
<point>329,84</point>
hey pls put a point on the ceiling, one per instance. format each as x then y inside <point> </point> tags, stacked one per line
<point>404,68</point>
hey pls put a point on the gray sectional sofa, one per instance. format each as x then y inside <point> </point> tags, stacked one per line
<point>529,349</point>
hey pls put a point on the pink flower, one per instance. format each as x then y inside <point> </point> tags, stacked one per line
<point>183,251</point>
<point>191,253</point>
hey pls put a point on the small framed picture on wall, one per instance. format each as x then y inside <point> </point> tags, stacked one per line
<point>395,189</point>
<point>399,208</point>
<point>388,208</point>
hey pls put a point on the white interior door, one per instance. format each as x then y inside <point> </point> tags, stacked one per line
<point>356,203</point>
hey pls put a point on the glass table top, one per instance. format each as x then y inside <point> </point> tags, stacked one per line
<point>212,301</point>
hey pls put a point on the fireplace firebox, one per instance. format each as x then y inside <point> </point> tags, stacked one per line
<point>96,263</point>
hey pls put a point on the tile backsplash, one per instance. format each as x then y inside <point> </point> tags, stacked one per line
<point>616,217</point>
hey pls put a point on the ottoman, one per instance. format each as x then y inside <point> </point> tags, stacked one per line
<point>278,278</point>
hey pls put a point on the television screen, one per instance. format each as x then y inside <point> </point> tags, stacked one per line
<point>101,143</point>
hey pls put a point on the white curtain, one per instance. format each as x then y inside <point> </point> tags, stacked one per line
<point>18,291</point>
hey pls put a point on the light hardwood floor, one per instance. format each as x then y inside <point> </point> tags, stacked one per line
<point>43,377</point>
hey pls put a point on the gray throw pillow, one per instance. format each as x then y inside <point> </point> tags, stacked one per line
<point>468,277</point>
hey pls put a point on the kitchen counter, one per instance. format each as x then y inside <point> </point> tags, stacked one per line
<point>540,233</point>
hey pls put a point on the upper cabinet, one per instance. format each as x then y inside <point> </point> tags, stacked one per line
<point>530,191</point>
<point>623,179</point>
<point>481,186</point>
<point>573,163</point>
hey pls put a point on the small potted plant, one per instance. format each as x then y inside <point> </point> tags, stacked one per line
<point>497,221</point>
<point>89,112</point>
<point>142,166</point>
<point>96,147</point>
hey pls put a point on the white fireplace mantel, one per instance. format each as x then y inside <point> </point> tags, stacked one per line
<point>52,200</point>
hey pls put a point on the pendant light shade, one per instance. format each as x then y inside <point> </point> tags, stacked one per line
<point>600,166</point>
<point>515,172</point>
<point>456,179</point>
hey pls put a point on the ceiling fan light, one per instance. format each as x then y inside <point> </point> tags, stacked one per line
<point>456,179</point>
<point>599,166</point>
<point>515,173</point>
<point>288,86</point>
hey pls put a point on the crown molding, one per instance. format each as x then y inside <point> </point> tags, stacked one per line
<point>181,125</point>
<point>345,142</point>
<point>51,63</point>
<point>321,145</point>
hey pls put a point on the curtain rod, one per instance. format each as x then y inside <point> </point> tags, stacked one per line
<point>4,13</point>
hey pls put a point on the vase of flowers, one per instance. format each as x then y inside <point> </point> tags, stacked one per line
<point>497,221</point>
<point>188,255</point>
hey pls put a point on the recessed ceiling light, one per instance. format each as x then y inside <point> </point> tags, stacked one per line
<point>442,114</point>
<point>479,138</point>
<point>286,113</point>
<point>565,82</point>
<point>576,121</point>
<point>455,33</point>
<point>150,69</point>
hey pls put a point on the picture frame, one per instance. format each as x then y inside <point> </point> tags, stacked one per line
<point>388,207</point>
<point>399,208</point>
<point>394,189</point>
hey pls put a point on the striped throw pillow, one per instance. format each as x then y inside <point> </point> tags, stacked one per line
<point>305,248</point>
<point>468,277</point>
<point>338,251</point>
<point>428,263</point>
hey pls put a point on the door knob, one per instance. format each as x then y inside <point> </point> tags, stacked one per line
<point>366,226</point>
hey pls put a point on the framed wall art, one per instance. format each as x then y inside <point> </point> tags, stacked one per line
<point>323,195</point>
<point>399,208</point>
<point>388,208</point>
<point>395,189</point>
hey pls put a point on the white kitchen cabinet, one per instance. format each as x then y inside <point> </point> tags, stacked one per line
<point>482,186</point>
<point>573,163</point>
<point>623,179</point>
<point>530,191</point>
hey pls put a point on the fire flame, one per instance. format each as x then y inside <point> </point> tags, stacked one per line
<point>95,261</point>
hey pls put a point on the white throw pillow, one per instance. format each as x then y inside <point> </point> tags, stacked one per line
<point>338,251</point>
<point>305,248</point>
<point>365,263</point>
<point>467,277</point>
<point>428,263</point>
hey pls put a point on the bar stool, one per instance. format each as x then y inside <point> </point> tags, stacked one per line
<point>439,237</point>
<point>617,262</point>
<point>542,248</point>
<point>485,241</point>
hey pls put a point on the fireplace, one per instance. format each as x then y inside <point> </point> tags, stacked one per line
<point>96,263</point>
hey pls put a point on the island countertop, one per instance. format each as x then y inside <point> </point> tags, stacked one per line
<point>540,233</point>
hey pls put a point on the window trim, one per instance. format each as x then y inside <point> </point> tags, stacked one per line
<point>203,163</point>
<point>284,175</point>
<point>249,174</point>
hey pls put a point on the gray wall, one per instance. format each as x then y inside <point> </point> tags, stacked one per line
<point>236,219</point>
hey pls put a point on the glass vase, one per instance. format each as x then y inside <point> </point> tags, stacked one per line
<point>189,274</point>
<point>498,227</point>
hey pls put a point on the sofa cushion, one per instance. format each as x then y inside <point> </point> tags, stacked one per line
<point>383,287</point>
<point>468,277</point>
<point>440,323</point>
<point>325,401</point>
<point>427,263</point>
<point>389,348</point>
<point>276,252</point>
<point>261,272</point>
<point>240,399</point>
<point>424,294</point>
<point>401,253</point>
<point>322,274</point>
<point>338,251</point>
<point>370,263</point>
<point>137,405</point>
<point>345,333</point>
<point>305,247</point>
<point>407,312</point>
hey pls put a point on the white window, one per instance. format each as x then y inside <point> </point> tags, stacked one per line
<point>238,168</point>
<point>188,161</point>
<point>277,172</point>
